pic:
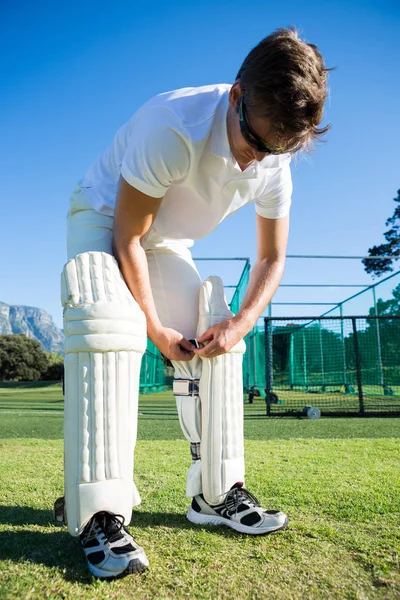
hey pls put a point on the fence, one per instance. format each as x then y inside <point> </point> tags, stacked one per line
<point>340,365</point>
<point>154,376</point>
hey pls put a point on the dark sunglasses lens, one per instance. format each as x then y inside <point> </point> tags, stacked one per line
<point>248,135</point>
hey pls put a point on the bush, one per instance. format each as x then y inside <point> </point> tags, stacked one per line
<point>21,358</point>
<point>54,371</point>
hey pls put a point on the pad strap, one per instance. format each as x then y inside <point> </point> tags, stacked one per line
<point>186,387</point>
<point>186,390</point>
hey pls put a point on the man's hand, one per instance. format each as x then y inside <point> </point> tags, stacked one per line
<point>173,345</point>
<point>220,338</point>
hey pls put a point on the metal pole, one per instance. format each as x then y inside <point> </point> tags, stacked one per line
<point>344,373</point>
<point>392,257</point>
<point>321,351</point>
<point>154,369</point>
<point>305,304</point>
<point>268,363</point>
<point>305,360</point>
<point>318,285</point>
<point>248,363</point>
<point>291,360</point>
<point>362,292</point>
<point>358,365</point>
<point>255,357</point>
<point>378,341</point>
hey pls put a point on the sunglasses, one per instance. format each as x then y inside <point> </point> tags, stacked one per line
<point>251,137</point>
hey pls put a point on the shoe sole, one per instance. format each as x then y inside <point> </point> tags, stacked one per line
<point>59,514</point>
<point>136,565</point>
<point>199,519</point>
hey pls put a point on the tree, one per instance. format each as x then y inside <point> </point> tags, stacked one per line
<point>21,358</point>
<point>388,307</point>
<point>379,266</point>
<point>55,370</point>
<point>378,343</point>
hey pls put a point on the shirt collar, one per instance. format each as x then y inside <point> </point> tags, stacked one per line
<point>219,133</point>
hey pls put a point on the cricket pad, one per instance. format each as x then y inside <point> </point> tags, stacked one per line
<point>105,338</point>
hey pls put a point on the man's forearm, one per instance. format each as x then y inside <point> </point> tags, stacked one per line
<point>265,277</point>
<point>133,264</point>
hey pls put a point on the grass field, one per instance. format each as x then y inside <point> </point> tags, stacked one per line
<point>337,479</point>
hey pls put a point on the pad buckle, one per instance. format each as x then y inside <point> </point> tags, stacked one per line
<point>186,387</point>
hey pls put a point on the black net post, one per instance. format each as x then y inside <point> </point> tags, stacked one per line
<point>305,359</point>
<point>248,364</point>
<point>358,365</point>
<point>344,366</point>
<point>268,362</point>
<point>255,378</point>
<point>321,351</point>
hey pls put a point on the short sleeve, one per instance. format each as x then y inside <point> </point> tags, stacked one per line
<point>157,152</point>
<point>276,199</point>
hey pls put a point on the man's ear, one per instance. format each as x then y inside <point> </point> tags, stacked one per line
<point>235,93</point>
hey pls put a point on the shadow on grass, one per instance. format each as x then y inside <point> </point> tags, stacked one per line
<point>25,515</point>
<point>58,549</point>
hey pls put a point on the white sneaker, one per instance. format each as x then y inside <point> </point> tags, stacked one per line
<point>110,549</point>
<point>240,511</point>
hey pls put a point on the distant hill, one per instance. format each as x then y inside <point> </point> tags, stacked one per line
<point>32,322</point>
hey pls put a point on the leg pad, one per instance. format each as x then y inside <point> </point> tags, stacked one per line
<point>105,338</point>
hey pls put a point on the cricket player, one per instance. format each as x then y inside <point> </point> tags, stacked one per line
<point>185,161</point>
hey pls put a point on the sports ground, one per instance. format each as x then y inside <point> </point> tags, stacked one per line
<point>336,478</point>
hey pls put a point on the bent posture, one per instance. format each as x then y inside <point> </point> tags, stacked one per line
<point>184,162</point>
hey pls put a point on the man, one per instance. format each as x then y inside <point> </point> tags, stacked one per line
<point>185,161</point>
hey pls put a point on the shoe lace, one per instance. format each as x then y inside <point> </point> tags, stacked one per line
<point>238,495</point>
<point>110,525</point>
<point>91,531</point>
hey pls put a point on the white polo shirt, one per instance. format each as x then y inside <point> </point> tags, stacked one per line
<point>176,147</point>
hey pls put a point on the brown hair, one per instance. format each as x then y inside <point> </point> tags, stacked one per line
<point>285,80</point>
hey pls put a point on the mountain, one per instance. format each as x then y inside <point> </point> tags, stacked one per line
<point>34,323</point>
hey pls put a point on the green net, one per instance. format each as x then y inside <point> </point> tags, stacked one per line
<point>240,289</point>
<point>254,362</point>
<point>154,376</point>
<point>253,371</point>
<point>347,364</point>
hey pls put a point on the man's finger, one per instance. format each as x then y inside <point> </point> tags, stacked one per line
<point>183,354</point>
<point>187,345</point>
<point>208,351</point>
<point>207,335</point>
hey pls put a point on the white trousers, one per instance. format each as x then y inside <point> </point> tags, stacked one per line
<point>174,279</point>
<point>175,284</point>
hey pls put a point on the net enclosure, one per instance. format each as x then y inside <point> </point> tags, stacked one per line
<point>340,365</point>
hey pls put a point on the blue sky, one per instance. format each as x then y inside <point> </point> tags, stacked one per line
<point>72,73</point>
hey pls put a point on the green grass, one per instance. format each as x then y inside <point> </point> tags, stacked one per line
<point>338,480</point>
